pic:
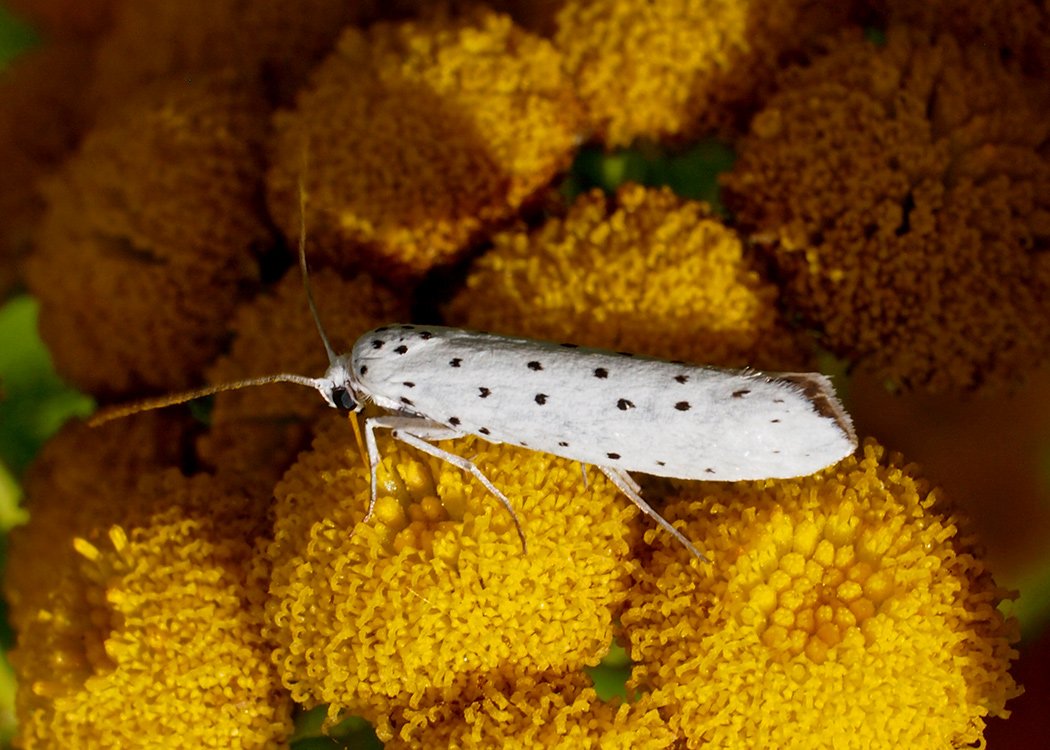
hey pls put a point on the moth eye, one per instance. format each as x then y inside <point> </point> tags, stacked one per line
<point>343,399</point>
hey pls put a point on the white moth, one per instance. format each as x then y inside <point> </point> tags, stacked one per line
<point>615,410</point>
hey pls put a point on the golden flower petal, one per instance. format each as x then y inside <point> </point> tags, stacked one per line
<point>149,234</point>
<point>840,610</point>
<point>435,594</point>
<point>648,272</point>
<point>902,192</point>
<point>452,126</point>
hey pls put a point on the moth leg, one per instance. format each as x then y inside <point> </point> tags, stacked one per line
<point>629,487</point>
<point>387,422</point>
<point>416,431</point>
<point>583,470</point>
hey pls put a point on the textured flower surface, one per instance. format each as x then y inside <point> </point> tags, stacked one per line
<point>846,610</point>
<point>647,272</point>
<point>546,710</point>
<point>451,128</point>
<point>200,581</point>
<point>151,636</point>
<point>436,596</point>
<point>137,268</point>
<point>904,194</point>
<point>679,69</point>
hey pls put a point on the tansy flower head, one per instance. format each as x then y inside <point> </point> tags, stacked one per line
<point>41,117</point>
<point>845,610</point>
<point>260,430</point>
<point>674,69</point>
<point>435,595</point>
<point>548,710</point>
<point>451,127</point>
<point>151,629</point>
<point>904,194</point>
<point>103,464</point>
<point>138,267</point>
<point>647,272</point>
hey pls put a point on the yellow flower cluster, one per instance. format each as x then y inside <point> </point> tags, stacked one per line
<point>847,610</point>
<point>435,596</point>
<point>549,711</point>
<point>903,193</point>
<point>647,272</point>
<point>138,266</point>
<point>452,125</point>
<point>39,124</point>
<point>900,192</point>
<point>149,634</point>
<point>260,430</point>
<point>676,69</point>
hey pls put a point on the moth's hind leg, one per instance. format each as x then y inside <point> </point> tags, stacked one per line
<point>416,432</point>
<point>626,484</point>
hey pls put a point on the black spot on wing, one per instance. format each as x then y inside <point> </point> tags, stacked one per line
<point>623,404</point>
<point>601,373</point>
<point>681,378</point>
<point>484,392</point>
<point>613,456</point>
<point>535,366</point>
<point>683,406</point>
<point>541,398</point>
<point>409,384</point>
<point>406,401</point>
<point>377,343</point>
<point>484,431</point>
<point>455,362</point>
<point>401,349</point>
<point>364,369</point>
<point>741,393</point>
<point>563,444</point>
<point>454,421</point>
<point>426,335</point>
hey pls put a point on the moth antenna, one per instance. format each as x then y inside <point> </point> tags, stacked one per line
<point>159,402</point>
<point>306,273</point>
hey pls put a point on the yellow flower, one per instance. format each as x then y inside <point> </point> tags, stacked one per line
<point>148,237</point>
<point>150,633</point>
<point>76,464</point>
<point>841,610</point>
<point>435,595</point>
<point>903,193</point>
<point>452,125</point>
<point>648,272</point>
<point>548,710</point>
<point>261,430</point>
<point>41,118</point>
<point>675,69</point>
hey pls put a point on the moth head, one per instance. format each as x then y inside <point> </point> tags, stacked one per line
<point>337,388</point>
